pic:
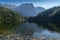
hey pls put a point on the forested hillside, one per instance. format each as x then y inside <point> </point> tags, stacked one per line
<point>9,19</point>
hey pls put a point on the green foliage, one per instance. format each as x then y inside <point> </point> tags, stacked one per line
<point>48,19</point>
<point>9,19</point>
<point>55,16</point>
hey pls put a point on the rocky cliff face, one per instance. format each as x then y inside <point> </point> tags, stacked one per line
<point>26,9</point>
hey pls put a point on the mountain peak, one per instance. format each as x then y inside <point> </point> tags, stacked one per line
<point>26,9</point>
<point>26,4</point>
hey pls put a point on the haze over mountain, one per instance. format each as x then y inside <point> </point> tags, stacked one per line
<point>28,9</point>
<point>10,6</point>
<point>39,9</point>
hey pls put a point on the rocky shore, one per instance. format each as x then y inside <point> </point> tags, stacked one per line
<point>19,37</point>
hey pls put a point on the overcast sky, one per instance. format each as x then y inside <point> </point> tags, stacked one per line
<point>42,3</point>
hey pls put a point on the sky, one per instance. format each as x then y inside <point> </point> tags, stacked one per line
<point>37,3</point>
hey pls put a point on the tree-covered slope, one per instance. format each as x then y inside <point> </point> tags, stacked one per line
<point>47,15</point>
<point>55,16</point>
<point>9,19</point>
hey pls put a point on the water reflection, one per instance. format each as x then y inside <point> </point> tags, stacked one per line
<point>46,33</point>
<point>7,27</point>
<point>37,29</point>
<point>26,28</point>
<point>49,30</point>
<point>50,26</point>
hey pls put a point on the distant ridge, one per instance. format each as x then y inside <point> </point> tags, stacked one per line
<point>28,9</point>
<point>10,6</point>
<point>39,9</point>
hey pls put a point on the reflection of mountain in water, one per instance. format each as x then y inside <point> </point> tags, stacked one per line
<point>38,29</point>
<point>47,25</point>
<point>49,30</point>
<point>26,28</point>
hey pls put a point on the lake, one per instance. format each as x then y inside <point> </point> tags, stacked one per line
<point>38,29</point>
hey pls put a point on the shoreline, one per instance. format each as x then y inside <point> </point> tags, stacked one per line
<point>19,37</point>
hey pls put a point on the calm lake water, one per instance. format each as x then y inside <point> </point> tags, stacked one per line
<point>39,30</point>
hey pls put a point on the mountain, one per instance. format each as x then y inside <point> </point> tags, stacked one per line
<point>39,9</point>
<point>28,9</point>
<point>48,11</point>
<point>10,6</point>
<point>49,15</point>
<point>46,14</point>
